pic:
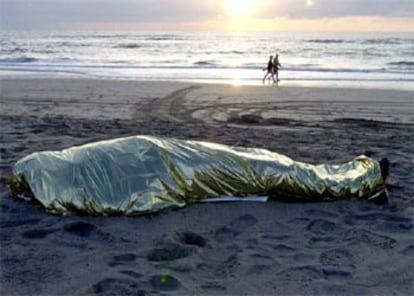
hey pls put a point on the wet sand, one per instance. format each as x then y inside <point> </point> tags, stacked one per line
<point>276,248</point>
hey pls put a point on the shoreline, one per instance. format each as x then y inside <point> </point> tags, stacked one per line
<point>362,84</point>
<point>347,247</point>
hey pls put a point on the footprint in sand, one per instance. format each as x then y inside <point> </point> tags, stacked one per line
<point>375,217</point>
<point>31,270</point>
<point>190,238</point>
<point>16,223</point>
<point>322,226</point>
<point>326,232</point>
<point>301,274</point>
<point>275,237</point>
<point>408,251</point>
<point>258,270</point>
<point>164,283</point>
<point>382,222</point>
<point>212,287</point>
<point>177,246</point>
<point>235,227</point>
<point>243,222</point>
<point>117,286</point>
<point>320,213</point>
<point>80,228</point>
<point>370,238</point>
<point>168,252</point>
<point>132,274</point>
<point>226,268</point>
<point>337,257</point>
<point>37,233</point>
<point>122,259</point>
<point>322,241</point>
<point>223,234</point>
<point>282,250</point>
<point>393,228</point>
<point>336,274</point>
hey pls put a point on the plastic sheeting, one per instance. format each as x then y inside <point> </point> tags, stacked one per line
<point>142,174</point>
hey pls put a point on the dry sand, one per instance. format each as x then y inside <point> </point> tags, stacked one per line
<point>338,248</point>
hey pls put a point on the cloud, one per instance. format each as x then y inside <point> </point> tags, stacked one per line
<point>339,8</point>
<point>54,14</point>
<point>50,13</point>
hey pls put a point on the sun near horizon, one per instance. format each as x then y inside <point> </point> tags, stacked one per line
<point>245,15</point>
<point>240,7</point>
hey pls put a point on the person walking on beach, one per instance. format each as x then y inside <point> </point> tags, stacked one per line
<point>269,69</point>
<point>275,70</point>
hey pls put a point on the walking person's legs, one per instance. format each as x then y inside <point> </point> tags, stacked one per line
<point>264,78</point>
<point>275,77</point>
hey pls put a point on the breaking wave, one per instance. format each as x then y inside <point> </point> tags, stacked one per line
<point>18,60</point>
<point>128,45</point>
<point>402,63</point>
<point>328,41</point>
<point>386,41</point>
<point>204,63</point>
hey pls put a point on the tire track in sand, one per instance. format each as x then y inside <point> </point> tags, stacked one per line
<point>170,107</point>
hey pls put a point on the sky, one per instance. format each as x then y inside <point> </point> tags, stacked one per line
<point>209,15</point>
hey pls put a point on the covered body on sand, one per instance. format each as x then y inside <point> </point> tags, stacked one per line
<point>143,174</point>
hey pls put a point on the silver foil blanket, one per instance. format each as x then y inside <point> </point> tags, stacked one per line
<point>142,174</point>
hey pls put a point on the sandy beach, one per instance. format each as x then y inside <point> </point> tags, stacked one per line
<point>276,248</point>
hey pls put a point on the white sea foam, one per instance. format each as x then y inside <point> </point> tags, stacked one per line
<point>320,57</point>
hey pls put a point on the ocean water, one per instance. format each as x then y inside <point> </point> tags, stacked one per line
<point>320,58</point>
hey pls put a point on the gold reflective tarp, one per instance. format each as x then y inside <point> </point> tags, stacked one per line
<point>142,174</point>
